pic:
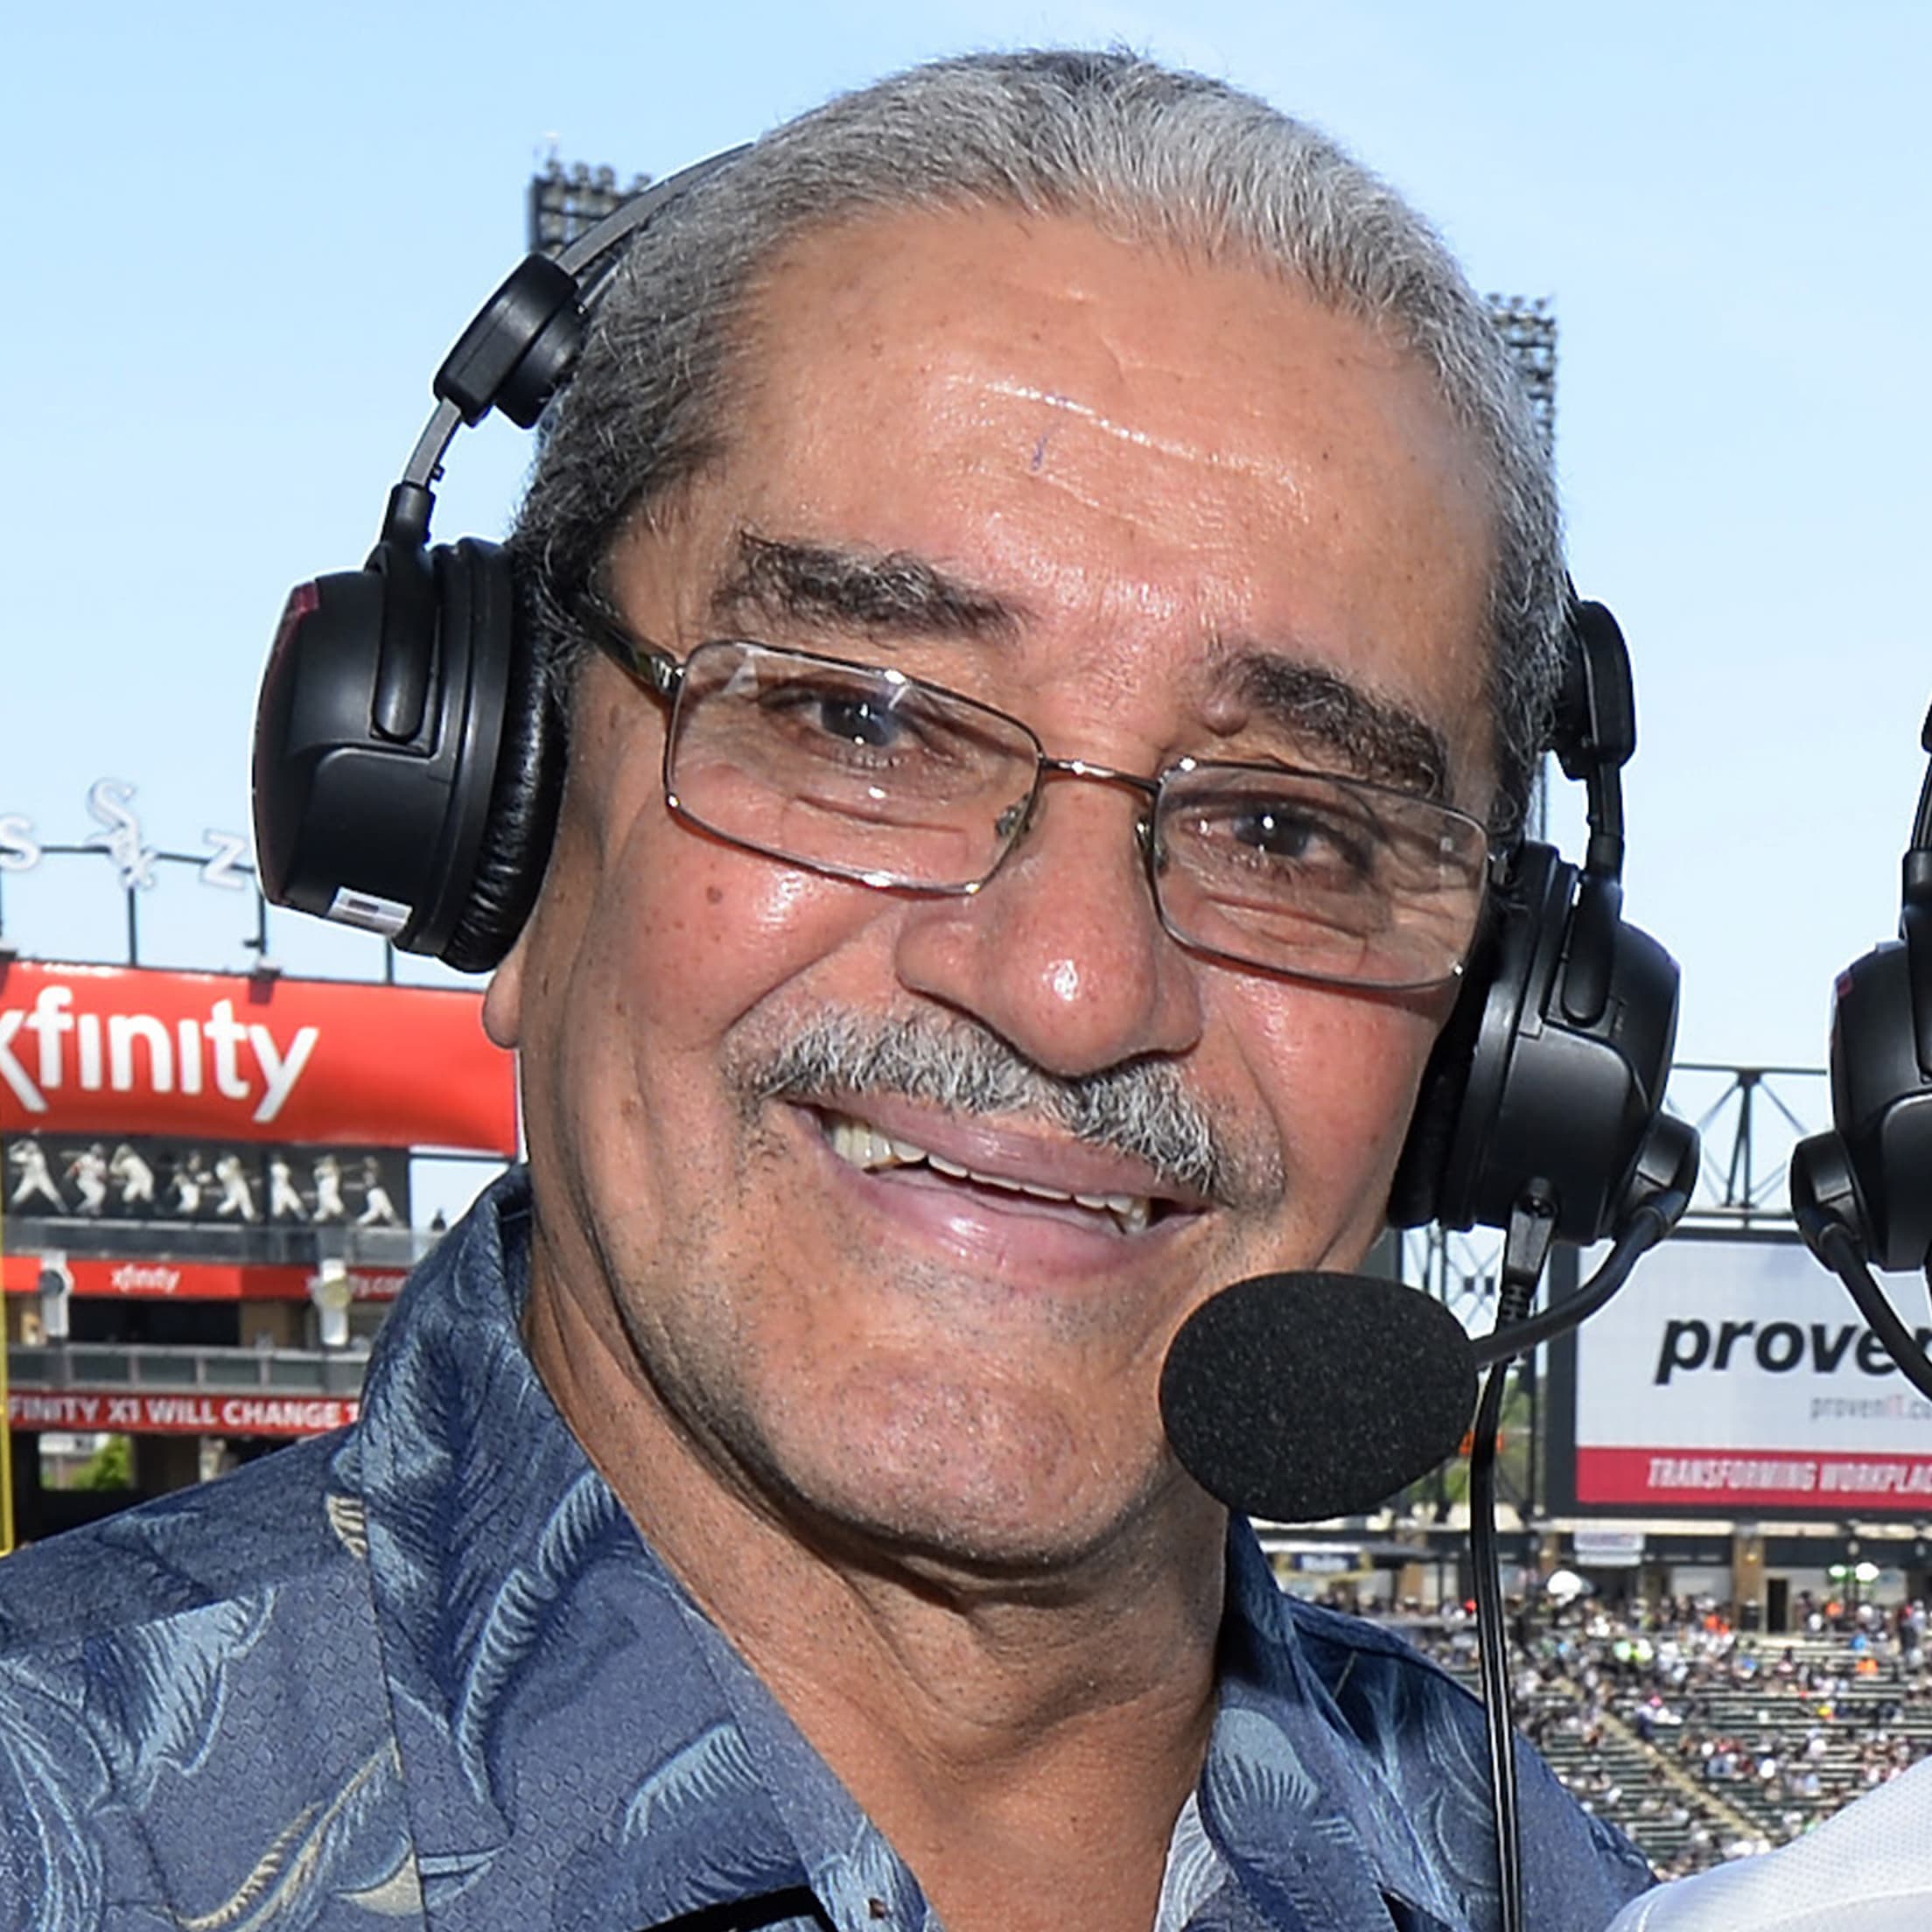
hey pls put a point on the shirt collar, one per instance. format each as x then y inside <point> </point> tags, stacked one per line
<point>1304,1802</point>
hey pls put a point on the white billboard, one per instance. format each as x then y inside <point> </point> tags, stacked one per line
<point>1736,1377</point>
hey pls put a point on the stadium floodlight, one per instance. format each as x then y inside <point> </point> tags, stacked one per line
<point>564,201</point>
<point>1529,331</point>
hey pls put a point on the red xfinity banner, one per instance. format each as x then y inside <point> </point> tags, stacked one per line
<point>1735,1377</point>
<point>88,1411</point>
<point>127,1051</point>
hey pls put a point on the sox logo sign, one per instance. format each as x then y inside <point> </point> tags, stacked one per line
<point>110,805</point>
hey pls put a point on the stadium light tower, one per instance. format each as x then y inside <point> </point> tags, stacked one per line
<point>1529,330</point>
<point>563,202</point>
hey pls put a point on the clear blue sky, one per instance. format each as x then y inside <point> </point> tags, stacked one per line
<point>244,235</point>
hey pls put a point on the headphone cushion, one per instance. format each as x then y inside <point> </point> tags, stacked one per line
<point>524,790</point>
<point>1415,1191</point>
<point>1445,1168</point>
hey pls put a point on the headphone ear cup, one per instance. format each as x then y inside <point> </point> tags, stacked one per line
<point>1468,1069</point>
<point>406,766</point>
<point>522,767</point>
<point>1414,1190</point>
<point>1881,1099</point>
<point>1560,1089</point>
<point>361,731</point>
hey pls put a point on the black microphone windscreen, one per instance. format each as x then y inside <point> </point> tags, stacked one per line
<point>1296,1397</point>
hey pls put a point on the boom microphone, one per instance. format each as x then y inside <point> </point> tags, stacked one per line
<point>1299,1396</point>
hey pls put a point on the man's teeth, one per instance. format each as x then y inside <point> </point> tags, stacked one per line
<point>866,1147</point>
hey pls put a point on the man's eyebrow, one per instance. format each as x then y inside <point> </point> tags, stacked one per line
<point>1374,738</point>
<point>855,590</point>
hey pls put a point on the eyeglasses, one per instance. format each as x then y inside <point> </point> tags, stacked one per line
<point>859,772</point>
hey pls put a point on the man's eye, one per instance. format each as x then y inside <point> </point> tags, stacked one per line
<point>1293,834</point>
<point>835,718</point>
<point>856,721</point>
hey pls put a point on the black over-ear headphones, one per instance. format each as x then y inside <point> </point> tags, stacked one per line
<point>1547,1082</point>
<point>407,767</point>
<point>1862,1192</point>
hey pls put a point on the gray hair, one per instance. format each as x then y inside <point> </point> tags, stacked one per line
<point>1145,154</point>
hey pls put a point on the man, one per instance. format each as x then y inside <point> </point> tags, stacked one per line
<point>35,1180</point>
<point>136,1177</point>
<point>88,1171</point>
<point>1048,573</point>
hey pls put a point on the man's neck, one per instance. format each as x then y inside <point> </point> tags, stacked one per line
<point>1025,1744</point>
<point>1027,1760</point>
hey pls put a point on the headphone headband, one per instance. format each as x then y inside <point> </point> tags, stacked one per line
<point>522,345</point>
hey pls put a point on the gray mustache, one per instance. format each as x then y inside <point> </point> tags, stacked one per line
<point>1140,1109</point>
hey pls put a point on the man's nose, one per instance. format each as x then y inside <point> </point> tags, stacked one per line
<point>1062,952</point>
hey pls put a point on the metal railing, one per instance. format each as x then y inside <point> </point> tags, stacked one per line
<point>1749,1118</point>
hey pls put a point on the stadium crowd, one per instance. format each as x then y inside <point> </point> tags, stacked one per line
<point>1703,1741</point>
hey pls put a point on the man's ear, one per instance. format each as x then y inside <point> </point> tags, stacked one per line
<point>503,1000</point>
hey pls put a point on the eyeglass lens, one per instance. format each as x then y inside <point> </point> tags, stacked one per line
<point>857,770</point>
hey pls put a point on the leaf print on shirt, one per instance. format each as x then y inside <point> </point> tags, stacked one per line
<point>52,1782</point>
<point>348,1517</point>
<point>399,1896</point>
<point>1256,1764</point>
<point>713,1769</point>
<point>1450,1808</point>
<point>681,1844</point>
<point>327,1852</point>
<point>866,1881</point>
<point>157,1691</point>
<point>1194,1872</point>
<point>492,1655</point>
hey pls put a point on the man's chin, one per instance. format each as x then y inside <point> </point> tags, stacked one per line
<point>962,1517</point>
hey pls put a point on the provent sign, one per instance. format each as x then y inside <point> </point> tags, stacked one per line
<point>1734,1377</point>
<point>124,1051</point>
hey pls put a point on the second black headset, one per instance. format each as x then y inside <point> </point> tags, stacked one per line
<point>1861,1192</point>
<point>408,760</point>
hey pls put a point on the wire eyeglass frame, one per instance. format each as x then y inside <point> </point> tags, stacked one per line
<point>1379,814</point>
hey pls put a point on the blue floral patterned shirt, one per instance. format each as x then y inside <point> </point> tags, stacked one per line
<point>425,1676</point>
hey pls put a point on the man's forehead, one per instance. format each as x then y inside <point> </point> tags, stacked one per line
<point>1036,285</point>
<point>1134,368</point>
